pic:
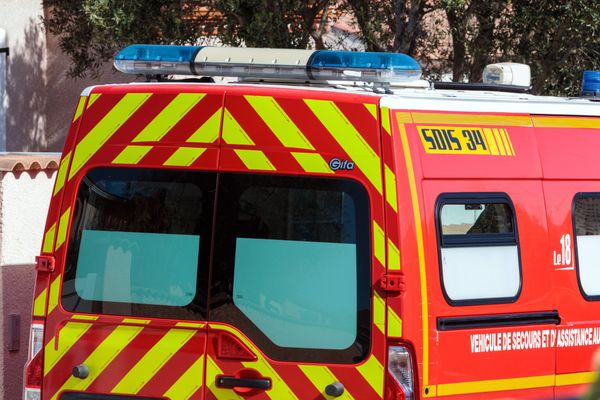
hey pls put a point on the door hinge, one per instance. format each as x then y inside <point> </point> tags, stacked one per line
<point>392,283</point>
<point>44,263</point>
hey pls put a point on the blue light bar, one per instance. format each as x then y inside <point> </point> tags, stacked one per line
<point>156,59</point>
<point>274,64</point>
<point>591,83</point>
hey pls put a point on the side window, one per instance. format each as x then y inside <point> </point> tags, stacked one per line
<point>140,243</point>
<point>479,252</point>
<point>292,265</point>
<point>586,221</point>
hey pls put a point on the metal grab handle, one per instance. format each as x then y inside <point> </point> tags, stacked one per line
<point>250,383</point>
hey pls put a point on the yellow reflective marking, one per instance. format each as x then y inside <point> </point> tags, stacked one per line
<point>372,371</point>
<point>495,385</point>
<point>54,291</point>
<point>131,155</point>
<point>393,256</point>
<point>255,160</point>
<point>136,321</point>
<point>63,225</point>
<point>394,323</point>
<point>385,120</point>
<point>95,139</point>
<point>510,146</point>
<point>504,141</point>
<point>349,139</point>
<point>209,131</point>
<point>371,108</point>
<point>39,305</point>
<point>67,337</point>
<point>61,176</point>
<point>469,119</point>
<point>48,245</point>
<point>379,312</point>
<point>577,378</point>
<point>212,371</point>
<point>188,383</point>
<point>320,377</point>
<point>184,156</point>
<point>102,356</point>
<point>499,142</point>
<point>490,141</point>
<point>379,243</point>
<point>153,360</point>
<point>233,133</point>
<point>279,389</point>
<point>189,325</point>
<point>79,109</point>
<point>420,249</point>
<point>168,117</point>
<point>404,117</point>
<point>83,317</point>
<point>279,122</point>
<point>312,162</point>
<point>93,98</point>
<point>562,122</point>
<point>391,195</point>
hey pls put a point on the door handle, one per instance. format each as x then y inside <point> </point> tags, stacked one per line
<point>231,382</point>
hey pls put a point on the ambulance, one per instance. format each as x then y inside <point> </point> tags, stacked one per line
<point>326,225</point>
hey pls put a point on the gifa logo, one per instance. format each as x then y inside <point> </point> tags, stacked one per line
<point>336,164</point>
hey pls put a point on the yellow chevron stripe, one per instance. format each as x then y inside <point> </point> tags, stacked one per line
<point>39,305</point>
<point>470,119</point>
<point>379,243</point>
<point>131,155</point>
<point>84,317</point>
<point>63,225</point>
<point>255,160</point>
<point>349,139</point>
<point>61,176</point>
<point>153,360</point>
<point>312,162</point>
<point>233,133</point>
<point>184,156</point>
<point>372,109</point>
<point>372,371</point>
<point>512,150</point>
<point>393,256</point>
<point>279,390</point>
<point>188,383</point>
<point>48,245</point>
<point>499,142</point>
<point>67,337</point>
<point>565,122</point>
<point>279,122</point>
<point>93,98</point>
<point>420,246</point>
<point>391,195</point>
<point>101,357</point>
<point>385,120</point>
<point>79,109</point>
<point>320,377</point>
<point>194,325</point>
<point>379,312</point>
<point>394,323</point>
<point>168,117</point>
<point>491,142</point>
<point>95,139</point>
<point>209,131</point>
<point>136,321</point>
<point>54,291</point>
<point>212,371</point>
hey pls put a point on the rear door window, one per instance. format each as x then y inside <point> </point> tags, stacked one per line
<point>292,265</point>
<point>140,243</point>
<point>586,222</point>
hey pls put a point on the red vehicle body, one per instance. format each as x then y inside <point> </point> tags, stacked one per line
<point>422,160</point>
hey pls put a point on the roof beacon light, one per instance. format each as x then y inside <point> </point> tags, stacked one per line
<point>276,64</point>
<point>507,73</point>
<point>591,83</point>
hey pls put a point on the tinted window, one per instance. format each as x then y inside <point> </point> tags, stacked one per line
<point>292,266</point>
<point>140,243</point>
<point>587,240</point>
<point>479,254</point>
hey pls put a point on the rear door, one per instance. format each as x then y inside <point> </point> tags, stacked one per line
<point>127,303</point>
<point>292,310</point>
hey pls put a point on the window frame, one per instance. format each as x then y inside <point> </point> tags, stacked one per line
<point>581,195</point>
<point>481,240</point>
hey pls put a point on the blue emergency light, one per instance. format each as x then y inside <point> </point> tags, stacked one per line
<point>275,64</point>
<point>591,83</point>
